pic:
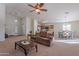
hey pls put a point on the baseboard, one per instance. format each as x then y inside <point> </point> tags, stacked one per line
<point>14,35</point>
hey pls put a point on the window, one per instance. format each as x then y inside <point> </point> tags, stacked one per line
<point>67,27</point>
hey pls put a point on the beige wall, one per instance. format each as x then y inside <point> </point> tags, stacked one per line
<point>75,27</point>
<point>2,22</point>
<point>10,25</point>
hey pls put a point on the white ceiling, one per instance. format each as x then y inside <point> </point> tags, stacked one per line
<point>56,11</point>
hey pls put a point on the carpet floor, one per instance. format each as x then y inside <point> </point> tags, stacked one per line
<point>58,48</point>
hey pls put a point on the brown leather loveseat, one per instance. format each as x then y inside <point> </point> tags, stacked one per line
<point>43,38</point>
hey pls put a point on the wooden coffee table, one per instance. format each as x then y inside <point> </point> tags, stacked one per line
<point>26,47</point>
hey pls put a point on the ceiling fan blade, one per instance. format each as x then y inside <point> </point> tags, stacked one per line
<point>43,9</point>
<point>36,5</point>
<point>31,5</point>
<point>41,4</point>
<point>32,10</point>
<point>38,12</point>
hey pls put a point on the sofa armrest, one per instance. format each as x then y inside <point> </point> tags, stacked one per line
<point>50,37</point>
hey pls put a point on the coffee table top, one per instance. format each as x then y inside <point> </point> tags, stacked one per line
<point>25,45</point>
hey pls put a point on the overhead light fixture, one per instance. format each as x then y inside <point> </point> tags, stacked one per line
<point>37,10</point>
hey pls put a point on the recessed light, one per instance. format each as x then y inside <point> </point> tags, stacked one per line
<point>15,20</point>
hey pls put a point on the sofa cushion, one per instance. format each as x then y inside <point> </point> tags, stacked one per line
<point>43,38</point>
<point>43,34</point>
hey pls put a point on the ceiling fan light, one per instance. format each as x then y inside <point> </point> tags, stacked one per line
<point>37,10</point>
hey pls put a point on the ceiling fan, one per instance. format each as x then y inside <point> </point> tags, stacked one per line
<point>38,7</point>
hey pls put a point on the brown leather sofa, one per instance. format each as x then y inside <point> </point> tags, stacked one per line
<point>43,38</point>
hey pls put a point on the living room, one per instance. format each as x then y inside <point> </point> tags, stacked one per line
<point>59,21</point>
